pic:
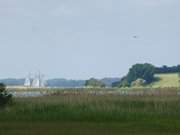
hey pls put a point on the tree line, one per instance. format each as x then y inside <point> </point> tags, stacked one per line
<point>142,74</point>
<point>166,69</point>
<point>138,75</point>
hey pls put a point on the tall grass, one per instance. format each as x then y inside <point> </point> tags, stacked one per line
<point>102,108</point>
<point>94,112</point>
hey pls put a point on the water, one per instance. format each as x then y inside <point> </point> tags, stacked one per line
<point>28,94</point>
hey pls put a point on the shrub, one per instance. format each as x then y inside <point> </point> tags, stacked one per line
<point>138,83</point>
<point>5,97</point>
<point>94,83</point>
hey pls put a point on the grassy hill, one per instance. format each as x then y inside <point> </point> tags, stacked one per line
<point>166,80</point>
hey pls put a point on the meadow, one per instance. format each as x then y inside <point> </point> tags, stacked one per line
<point>166,80</point>
<point>94,112</point>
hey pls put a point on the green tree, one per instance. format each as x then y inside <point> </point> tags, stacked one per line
<point>143,71</point>
<point>139,74</point>
<point>122,83</point>
<point>5,97</point>
<point>94,83</point>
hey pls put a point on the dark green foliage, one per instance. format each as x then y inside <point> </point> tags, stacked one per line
<point>122,83</point>
<point>144,71</point>
<point>138,71</point>
<point>94,83</point>
<point>5,98</point>
<point>166,69</point>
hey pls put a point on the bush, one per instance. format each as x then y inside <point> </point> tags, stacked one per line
<point>122,83</point>
<point>94,83</point>
<point>138,83</point>
<point>5,97</point>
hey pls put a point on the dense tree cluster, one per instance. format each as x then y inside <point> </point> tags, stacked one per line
<point>140,74</point>
<point>94,83</point>
<point>144,73</point>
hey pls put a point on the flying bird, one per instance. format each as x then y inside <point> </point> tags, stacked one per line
<point>135,37</point>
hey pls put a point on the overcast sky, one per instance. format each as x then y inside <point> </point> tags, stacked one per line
<point>79,39</point>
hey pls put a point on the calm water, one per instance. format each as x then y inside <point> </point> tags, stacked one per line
<point>28,94</point>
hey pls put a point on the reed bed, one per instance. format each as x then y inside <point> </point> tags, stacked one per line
<point>152,113</point>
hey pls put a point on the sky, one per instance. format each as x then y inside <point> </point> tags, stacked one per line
<point>79,39</point>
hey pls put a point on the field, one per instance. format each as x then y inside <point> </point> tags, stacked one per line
<point>166,80</point>
<point>94,113</point>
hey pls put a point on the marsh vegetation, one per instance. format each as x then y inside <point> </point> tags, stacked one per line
<point>83,112</point>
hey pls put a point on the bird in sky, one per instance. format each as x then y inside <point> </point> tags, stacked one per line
<point>135,37</point>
